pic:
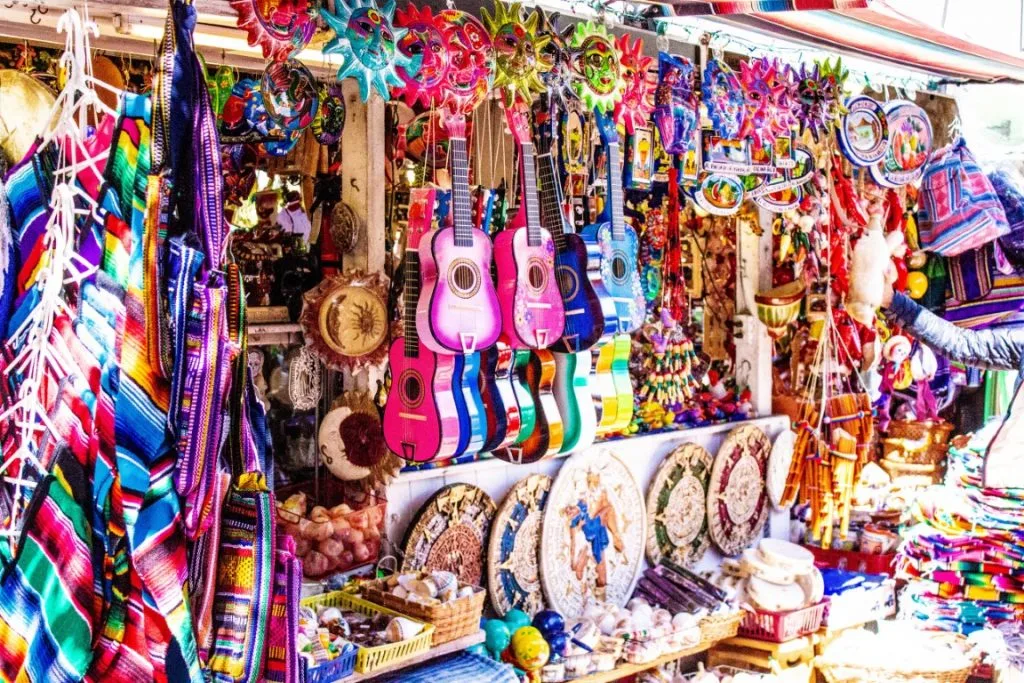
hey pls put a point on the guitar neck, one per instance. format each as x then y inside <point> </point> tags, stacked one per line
<point>533,233</point>
<point>551,200</point>
<point>615,191</point>
<point>461,202</point>
<point>412,297</point>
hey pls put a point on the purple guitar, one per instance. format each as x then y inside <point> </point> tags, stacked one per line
<point>532,312</point>
<point>458,312</point>
<point>421,421</point>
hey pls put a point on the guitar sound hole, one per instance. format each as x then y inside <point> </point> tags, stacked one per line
<point>464,278</point>
<point>567,282</point>
<point>618,268</point>
<point>536,275</point>
<point>411,386</point>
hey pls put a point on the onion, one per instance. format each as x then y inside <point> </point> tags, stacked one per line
<point>315,564</point>
<point>332,548</point>
<point>361,552</point>
<point>320,514</point>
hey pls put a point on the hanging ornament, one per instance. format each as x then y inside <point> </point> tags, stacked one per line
<point>424,41</point>
<point>637,103</point>
<point>329,121</point>
<point>344,320</point>
<point>559,79</point>
<point>279,27</point>
<point>598,75</point>
<point>724,98</point>
<point>676,105</point>
<point>768,101</point>
<point>233,114</point>
<point>220,85</point>
<point>834,77</point>
<point>365,38</point>
<point>470,61</point>
<point>519,51</point>
<point>290,94</point>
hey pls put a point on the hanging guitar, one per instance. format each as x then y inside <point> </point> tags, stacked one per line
<point>420,419</point>
<point>541,435</point>
<point>458,312</point>
<point>531,304</point>
<point>501,407</point>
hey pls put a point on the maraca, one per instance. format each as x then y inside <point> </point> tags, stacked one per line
<point>496,637</point>
<point>549,622</point>
<point>515,619</point>
<point>531,651</point>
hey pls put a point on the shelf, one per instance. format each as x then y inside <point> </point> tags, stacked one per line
<point>624,670</point>
<point>431,654</point>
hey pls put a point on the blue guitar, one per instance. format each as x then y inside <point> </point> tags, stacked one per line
<point>612,246</point>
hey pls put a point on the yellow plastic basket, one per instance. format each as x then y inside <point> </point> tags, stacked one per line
<point>370,659</point>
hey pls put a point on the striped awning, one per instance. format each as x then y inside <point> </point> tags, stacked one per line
<point>866,28</point>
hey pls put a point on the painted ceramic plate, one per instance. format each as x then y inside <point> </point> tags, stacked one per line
<point>449,533</point>
<point>344,319</point>
<point>677,526</point>
<point>592,541</point>
<point>778,465</point>
<point>513,555</point>
<point>737,499</point>
<point>329,121</point>
<point>909,148</point>
<point>864,131</point>
<point>290,94</point>
<point>720,195</point>
<point>780,200</point>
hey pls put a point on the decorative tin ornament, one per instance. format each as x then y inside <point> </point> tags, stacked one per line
<point>864,132</point>
<point>279,27</point>
<point>449,533</point>
<point>598,72</point>
<point>769,101</point>
<point>592,541</point>
<point>719,194</point>
<point>576,140</point>
<point>677,527</point>
<point>290,94</point>
<point>559,79</point>
<point>676,105</point>
<point>637,103</point>
<point>424,40</point>
<point>329,121</point>
<point>738,503</point>
<point>220,85</point>
<point>233,115</point>
<point>723,97</point>
<point>513,564</point>
<point>519,50</point>
<point>365,38</point>
<point>470,61</point>
<point>345,320</point>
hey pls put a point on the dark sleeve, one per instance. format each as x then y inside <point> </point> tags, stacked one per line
<point>987,349</point>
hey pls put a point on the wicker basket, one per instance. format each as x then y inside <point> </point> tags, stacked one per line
<point>935,433</point>
<point>451,620</point>
<point>910,475</point>
<point>720,626</point>
<point>370,659</point>
<point>834,673</point>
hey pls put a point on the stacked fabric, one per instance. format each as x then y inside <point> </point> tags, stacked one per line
<point>965,558</point>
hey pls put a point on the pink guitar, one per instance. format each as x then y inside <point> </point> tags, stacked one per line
<point>458,312</point>
<point>421,422</point>
<point>532,312</point>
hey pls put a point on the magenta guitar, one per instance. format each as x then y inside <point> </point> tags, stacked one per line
<point>458,312</point>
<point>532,312</point>
<point>421,421</point>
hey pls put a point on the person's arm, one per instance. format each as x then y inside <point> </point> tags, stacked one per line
<point>986,349</point>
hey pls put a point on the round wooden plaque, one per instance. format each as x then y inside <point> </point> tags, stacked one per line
<point>513,571</point>
<point>450,533</point>
<point>592,541</point>
<point>737,500</point>
<point>677,526</point>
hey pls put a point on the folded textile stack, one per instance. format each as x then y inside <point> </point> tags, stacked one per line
<point>965,557</point>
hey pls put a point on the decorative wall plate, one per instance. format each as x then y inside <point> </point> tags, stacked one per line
<point>20,125</point>
<point>345,320</point>
<point>470,61</point>
<point>864,132</point>
<point>592,541</point>
<point>329,121</point>
<point>719,195</point>
<point>910,144</point>
<point>778,466</point>
<point>513,554</point>
<point>345,227</point>
<point>290,94</point>
<point>450,533</point>
<point>677,526</point>
<point>278,27</point>
<point>332,449</point>
<point>737,499</point>
<point>351,441</point>
<point>520,57</point>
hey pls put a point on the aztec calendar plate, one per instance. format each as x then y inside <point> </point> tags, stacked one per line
<point>450,533</point>
<point>737,499</point>
<point>513,571</point>
<point>677,526</point>
<point>592,541</point>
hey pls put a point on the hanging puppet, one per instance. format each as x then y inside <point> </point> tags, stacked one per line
<point>365,38</point>
<point>425,41</point>
<point>637,103</point>
<point>676,105</point>
<point>520,58</point>
<point>598,74</point>
<point>724,98</point>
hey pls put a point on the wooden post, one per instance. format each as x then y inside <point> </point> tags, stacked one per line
<point>362,175</point>
<point>754,274</point>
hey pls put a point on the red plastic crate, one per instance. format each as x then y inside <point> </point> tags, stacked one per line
<point>782,627</point>
<point>865,563</point>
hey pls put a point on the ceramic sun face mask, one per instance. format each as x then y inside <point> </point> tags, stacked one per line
<point>598,79</point>
<point>519,53</point>
<point>470,61</point>
<point>365,39</point>
<point>424,41</point>
<point>637,103</point>
<point>769,101</point>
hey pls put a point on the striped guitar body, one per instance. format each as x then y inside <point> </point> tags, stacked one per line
<point>469,404</point>
<point>501,408</point>
<point>575,403</point>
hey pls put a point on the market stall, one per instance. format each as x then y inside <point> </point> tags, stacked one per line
<point>562,342</point>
